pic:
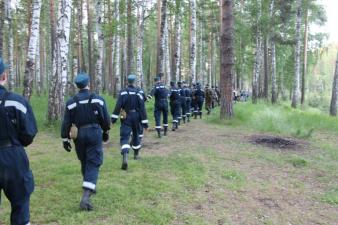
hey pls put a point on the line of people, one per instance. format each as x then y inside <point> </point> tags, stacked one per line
<point>87,122</point>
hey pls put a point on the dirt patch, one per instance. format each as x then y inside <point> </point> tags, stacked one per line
<point>276,142</point>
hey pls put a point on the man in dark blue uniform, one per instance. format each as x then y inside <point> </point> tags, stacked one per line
<point>188,96</point>
<point>161,105</point>
<point>183,106</point>
<point>130,105</point>
<point>88,112</point>
<point>145,99</point>
<point>199,98</point>
<point>175,104</point>
<point>17,130</point>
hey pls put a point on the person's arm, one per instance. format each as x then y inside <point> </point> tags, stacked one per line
<point>118,107</point>
<point>28,127</point>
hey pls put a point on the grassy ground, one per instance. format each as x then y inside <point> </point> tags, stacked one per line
<point>205,173</point>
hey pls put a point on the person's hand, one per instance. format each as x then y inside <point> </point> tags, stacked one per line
<point>105,136</point>
<point>66,145</point>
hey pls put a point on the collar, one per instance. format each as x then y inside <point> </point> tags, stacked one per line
<point>84,90</point>
<point>131,86</point>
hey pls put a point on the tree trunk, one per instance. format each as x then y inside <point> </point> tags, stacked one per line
<point>227,59</point>
<point>139,42</point>
<point>160,41</point>
<point>257,67</point>
<point>2,20</point>
<point>266,69</point>
<point>333,106</point>
<point>118,85</point>
<point>90,48</point>
<point>192,56</point>
<point>178,37</point>
<point>306,34</point>
<point>100,60</point>
<point>296,82</point>
<point>11,74</point>
<point>166,53</point>
<point>81,56</point>
<point>38,68</point>
<point>34,36</point>
<point>273,72</point>
<point>129,39</point>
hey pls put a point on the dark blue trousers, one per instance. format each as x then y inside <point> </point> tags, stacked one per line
<point>90,153</point>
<point>17,182</point>
<point>175,110</point>
<point>183,108</point>
<point>161,108</point>
<point>188,106</point>
<point>131,125</point>
<point>198,107</point>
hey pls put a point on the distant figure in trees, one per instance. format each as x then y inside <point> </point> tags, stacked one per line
<point>175,104</point>
<point>183,101</point>
<point>17,130</point>
<point>199,98</point>
<point>188,96</point>
<point>218,94</point>
<point>86,121</point>
<point>161,105</point>
<point>130,107</point>
<point>208,99</point>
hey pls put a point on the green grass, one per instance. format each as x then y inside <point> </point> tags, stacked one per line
<point>331,197</point>
<point>281,119</point>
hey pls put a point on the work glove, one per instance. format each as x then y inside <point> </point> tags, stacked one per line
<point>105,136</point>
<point>66,145</point>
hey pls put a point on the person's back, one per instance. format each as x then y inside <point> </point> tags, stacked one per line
<point>18,129</point>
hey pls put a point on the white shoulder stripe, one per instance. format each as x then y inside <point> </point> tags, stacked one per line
<point>98,101</point>
<point>71,106</point>
<point>124,93</point>
<point>17,105</point>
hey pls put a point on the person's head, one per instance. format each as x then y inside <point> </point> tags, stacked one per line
<point>172,83</point>
<point>131,79</point>
<point>179,84</point>
<point>82,81</point>
<point>207,86</point>
<point>157,79</point>
<point>3,73</point>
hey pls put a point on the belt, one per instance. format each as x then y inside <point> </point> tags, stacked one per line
<point>132,110</point>
<point>90,125</point>
<point>5,143</point>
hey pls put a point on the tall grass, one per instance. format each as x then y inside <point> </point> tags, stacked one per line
<point>279,119</point>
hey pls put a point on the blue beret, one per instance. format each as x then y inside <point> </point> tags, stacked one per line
<point>131,78</point>
<point>82,80</point>
<point>3,66</point>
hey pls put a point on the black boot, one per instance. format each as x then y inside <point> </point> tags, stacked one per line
<point>85,203</point>
<point>124,161</point>
<point>174,126</point>
<point>201,115</point>
<point>137,154</point>
<point>165,131</point>
<point>195,116</point>
<point>158,132</point>
<point>179,122</point>
<point>188,117</point>
<point>183,119</point>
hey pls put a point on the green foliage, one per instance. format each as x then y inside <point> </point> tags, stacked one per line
<point>280,119</point>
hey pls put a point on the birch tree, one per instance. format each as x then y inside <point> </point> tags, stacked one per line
<point>11,74</point>
<point>273,57</point>
<point>31,53</point>
<point>166,57</point>
<point>178,40</point>
<point>296,81</point>
<point>160,41</point>
<point>258,55</point>
<point>193,26</point>
<point>38,68</point>
<point>99,30</point>
<point>227,58</point>
<point>139,42</point>
<point>118,85</point>
<point>333,106</point>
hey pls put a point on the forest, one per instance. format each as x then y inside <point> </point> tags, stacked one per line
<point>269,158</point>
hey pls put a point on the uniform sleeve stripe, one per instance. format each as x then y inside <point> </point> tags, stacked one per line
<point>145,121</point>
<point>114,116</point>
<point>136,147</point>
<point>141,97</point>
<point>71,106</point>
<point>124,93</point>
<point>98,101</point>
<point>125,147</point>
<point>17,105</point>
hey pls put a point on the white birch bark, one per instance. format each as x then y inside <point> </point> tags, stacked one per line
<point>34,35</point>
<point>193,41</point>
<point>296,81</point>
<point>139,42</point>
<point>333,105</point>
<point>166,57</point>
<point>161,41</point>
<point>118,49</point>
<point>178,40</point>
<point>11,74</point>
<point>200,76</point>
<point>273,57</point>
<point>38,68</point>
<point>99,28</point>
